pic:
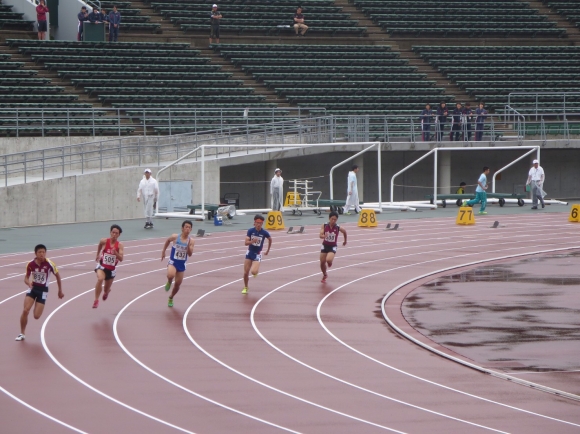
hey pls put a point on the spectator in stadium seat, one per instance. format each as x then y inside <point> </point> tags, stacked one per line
<point>467,120</point>
<point>41,11</point>
<point>95,16</point>
<point>83,16</point>
<point>481,114</point>
<point>299,25</point>
<point>114,23</point>
<point>215,17</point>
<point>442,114</point>
<point>456,116</point>
<point>426,121</point>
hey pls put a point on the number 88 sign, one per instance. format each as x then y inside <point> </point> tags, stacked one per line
<point>274,220</point>
<point>367,219</point>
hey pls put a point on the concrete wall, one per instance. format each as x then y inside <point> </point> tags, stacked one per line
<point>562,174</point>
<point>68,10</point>
<point>24,144</point>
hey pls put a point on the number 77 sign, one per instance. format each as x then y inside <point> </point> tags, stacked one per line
<point>465,216</point>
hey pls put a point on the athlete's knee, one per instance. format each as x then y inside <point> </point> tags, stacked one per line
<point>37,315</point>
<point>26,311</point>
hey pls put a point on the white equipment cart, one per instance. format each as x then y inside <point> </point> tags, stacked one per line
<point>305,199</point>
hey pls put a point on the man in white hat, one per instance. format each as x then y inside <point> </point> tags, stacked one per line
<point>215,17</point>
<point>276,190</point>
<point>536,178</point>
<point>149,189</point>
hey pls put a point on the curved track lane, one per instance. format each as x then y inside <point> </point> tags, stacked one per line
<point>294,355</point>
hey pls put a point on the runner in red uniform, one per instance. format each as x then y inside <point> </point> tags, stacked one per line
<point>37,279</point>
<point>109,254</point>
<point>329,234</point>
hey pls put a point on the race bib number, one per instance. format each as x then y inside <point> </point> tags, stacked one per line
<point>39,277</point>
<point>109,259</point>
<point>256,241</point>
<point>180,255</point>
<point>330,237</point>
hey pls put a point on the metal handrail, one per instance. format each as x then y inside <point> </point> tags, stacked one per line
<point>123,152</point>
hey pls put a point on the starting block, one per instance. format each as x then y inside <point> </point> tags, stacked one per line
<point>292,231</point>
<point>465,216</point>
<point>201,233</point>
<point>394,228</point>
<point>496,225</point>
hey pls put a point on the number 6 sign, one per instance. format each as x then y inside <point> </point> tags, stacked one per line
<point>574,213</point>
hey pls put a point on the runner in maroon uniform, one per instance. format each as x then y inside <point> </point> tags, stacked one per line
<point>108,258</point>
<point>37,278</point>
<point>329,234</point>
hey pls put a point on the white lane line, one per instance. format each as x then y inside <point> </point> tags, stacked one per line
<point>48,416</point>
<point>84,383</point>
<point>252,319</point>
<point>282,392</point>
<point>173,383</point>
<point>542,372</point>
<point>415,376</point>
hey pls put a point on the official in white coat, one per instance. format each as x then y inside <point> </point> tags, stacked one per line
<point>536,178</point>
<point>276,190</point>
<point>352,200</point>
<point>149,190</point>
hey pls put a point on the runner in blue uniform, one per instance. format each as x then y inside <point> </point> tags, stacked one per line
<point>255,241</point>
<point>329,235</point>
<point>181,249</point>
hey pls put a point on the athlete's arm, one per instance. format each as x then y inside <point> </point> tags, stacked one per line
<point>343,232</point>
<point>269,245</point>
<point>59,283</point>
<point>322,232</point>
<point>248,241</point>
<point>26,277</point>
<point>190,247</point>
<point>167,241</point>
<point>99,247</point>
<point>119,253</point>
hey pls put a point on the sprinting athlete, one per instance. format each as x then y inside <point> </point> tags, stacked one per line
<point>329,234</point>
<point>109,254</point>
<point>181,249</point>
<point>255,241</point>
<point>37,279</point>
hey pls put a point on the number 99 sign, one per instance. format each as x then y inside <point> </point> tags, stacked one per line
<point>274,220</point>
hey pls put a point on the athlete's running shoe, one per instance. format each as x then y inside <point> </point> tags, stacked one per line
<point>324,276</point>
<point>105,296</point>
<point>255,275</point>
<point>167,286</point>
<point>20,337</point>
<point>482,212</point>
<point>464,203</point>
<point>96,304</point>
<point>245,290</point>
<point>347,213</point>
<point>170,302</point>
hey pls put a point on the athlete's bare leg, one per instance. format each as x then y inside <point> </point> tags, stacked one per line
<point>178,279</point>
<point>247,265</point>
<point>323,263</point>
<point>28,303</point>
<point>329,258</point>
<point>108,284</point>
<point>99,285</point>
<point>255,268</point>
<point>171,272</point>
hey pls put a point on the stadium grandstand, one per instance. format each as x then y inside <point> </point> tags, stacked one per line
<point>364,70</point>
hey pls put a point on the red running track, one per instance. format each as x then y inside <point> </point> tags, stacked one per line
<point>294,355</point>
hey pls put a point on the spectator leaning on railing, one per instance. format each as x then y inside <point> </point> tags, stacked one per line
<point>95,16</point>
<point>83,16</point>
<point>114,23</point>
